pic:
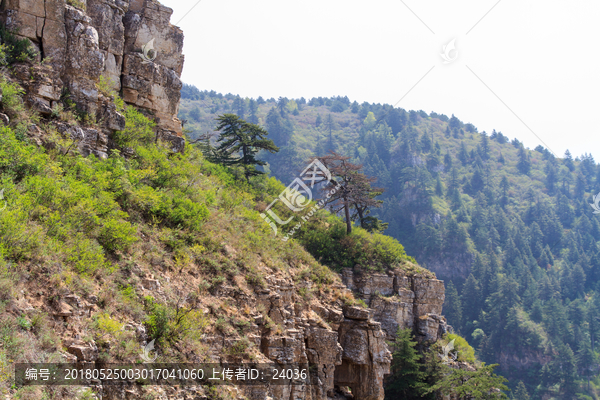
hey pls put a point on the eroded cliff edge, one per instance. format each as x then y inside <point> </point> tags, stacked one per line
<point>347,344</point>
<point>78,45</point>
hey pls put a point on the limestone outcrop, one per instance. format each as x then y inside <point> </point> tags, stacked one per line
<point>102,38</point>
<point>347,345</point>
<point>399,301</point>
<point>346,348</point>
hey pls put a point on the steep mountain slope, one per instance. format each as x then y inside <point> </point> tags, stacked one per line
<point>507,228</point>
<point>115,233</point>
<point>101,256</point>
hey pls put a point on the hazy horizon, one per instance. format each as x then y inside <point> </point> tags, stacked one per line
<point>534,59</point>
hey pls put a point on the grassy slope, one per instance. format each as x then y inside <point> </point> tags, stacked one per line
<point>103,228</point>
<point>310,140</point>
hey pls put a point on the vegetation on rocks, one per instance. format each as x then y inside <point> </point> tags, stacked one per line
<point>511,230</point>
<point>147,240</point>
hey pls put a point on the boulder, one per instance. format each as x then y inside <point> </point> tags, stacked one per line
<point>87,352</point>
<point>356,313</point>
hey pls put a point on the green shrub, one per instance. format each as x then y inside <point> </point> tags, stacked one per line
<point>183,211</point>
<point>465,352</point>
<point>15,49</point>
<point>326,239</point>
<point>3,55</point>
<point>24,323</point>
<point>217,281</point>
<point>255,277</point>
<point>84,255</point>
<point>128,292</point>
<point>240,347</point>
<point>106,325</point>
<point>139,130</point>
<point>77,4</point>
<point>169,325</point>
<point>117,235</point>
<point>11,95</point>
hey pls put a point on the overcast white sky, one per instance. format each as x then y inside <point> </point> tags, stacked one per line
<point>541,58</point>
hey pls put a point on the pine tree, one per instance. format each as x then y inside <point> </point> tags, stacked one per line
<point>587,362</point>
<point>281,106</point>
<point>353,194</point>
<point>253,107</point>
<point>239,105</point>
<point>406,380</point>
<point>463,155</point>
<point>504,186</point>
<point>477,181</point>
<point>195,114</point>
<point>279,127</point>
<point>521,392</point>
<point>239,141</point>
<point>330,126</point>
<point>579,185</point>
<point>452,307</point>
<point>448,161</point>
<point>471,300</point>
<point>485,147</point>
<point>454,122</point>
<point>524,163</point>
<point>480,384</point>
<point>439,189</point>
<point>551,177</point>
<point>537,312</point>
<point>568,161</point>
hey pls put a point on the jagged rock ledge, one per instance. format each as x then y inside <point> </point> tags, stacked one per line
<point>77,47</point>
<point>399,302</point>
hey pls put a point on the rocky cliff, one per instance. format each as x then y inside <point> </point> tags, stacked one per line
<point>346,343</point>
<point>294,319</point>
<point>399,302</point>
<point>79,42</point>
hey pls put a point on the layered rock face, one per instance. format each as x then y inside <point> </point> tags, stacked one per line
<point>345,346</point>
<point>78,47</point>
<point>400,302</point>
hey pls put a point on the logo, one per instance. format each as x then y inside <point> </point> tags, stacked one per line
<point>447,357</point>
<point>2,199</point>
<point>298,195</point>
<point>146,354</point>
<point>595,205</point>
<point>148,53</point>
<point>447,49</point>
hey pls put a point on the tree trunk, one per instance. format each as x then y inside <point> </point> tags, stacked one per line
<point>359,210</point>
<point>348,222</point>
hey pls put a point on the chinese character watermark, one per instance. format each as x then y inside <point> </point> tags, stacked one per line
<point>596,204</point>
<point>448,357</point>
<point>298,197</point>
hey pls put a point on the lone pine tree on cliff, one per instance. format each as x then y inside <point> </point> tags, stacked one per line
<point>239,142</point>
<point>354,194</point>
